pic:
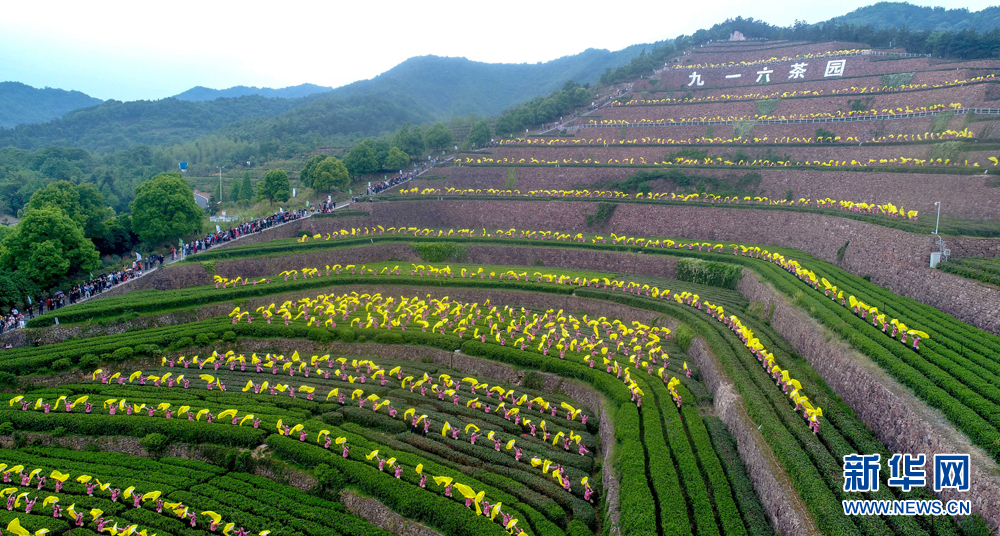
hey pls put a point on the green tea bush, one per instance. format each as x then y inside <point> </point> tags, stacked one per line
<point>710,273</point>
<point>122,354</point>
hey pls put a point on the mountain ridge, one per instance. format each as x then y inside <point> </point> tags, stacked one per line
<point>21,103</point>
<point>202,93</point>
<point>883,15</point>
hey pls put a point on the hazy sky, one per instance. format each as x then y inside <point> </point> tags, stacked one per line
<point>150,50</point>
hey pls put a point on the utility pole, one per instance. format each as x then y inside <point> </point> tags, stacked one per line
<point>220,185</point>
<point>938,203</point>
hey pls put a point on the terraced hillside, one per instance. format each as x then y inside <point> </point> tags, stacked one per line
<point>541,341</point>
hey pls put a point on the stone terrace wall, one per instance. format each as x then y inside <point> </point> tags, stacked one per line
<point>898,418</point>
<point>784,507</point>
<point>964,196</point>
<point>894,259</point>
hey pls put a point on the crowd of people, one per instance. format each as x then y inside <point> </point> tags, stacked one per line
<point>246,228</point>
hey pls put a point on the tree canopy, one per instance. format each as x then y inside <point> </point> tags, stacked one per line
<point>361,160</point>
<point>83,203</point>
<point>329,175</point>
<point>46,246</point>
<point>397,159</point>
<point>164,209</point>
<point>246,188</point>
<point>275,187</point>
<point>410,140</point>
<point>438,137</point>
<point>306,175</point>
<point>479,134</point>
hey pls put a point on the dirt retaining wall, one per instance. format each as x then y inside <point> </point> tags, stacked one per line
<point>784,507</point>
<point>903,422</point>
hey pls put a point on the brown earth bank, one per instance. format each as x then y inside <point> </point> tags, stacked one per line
<point>814,153</point>
<point>679,78</point>
<point>962,196</point>
<point>916,101</point>
<point>540,258</point>
<point>682,135</point>
<point>645,89</point>
<point>902,421</point>
<point>774,487</point>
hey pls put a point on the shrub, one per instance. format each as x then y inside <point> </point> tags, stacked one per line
<point>440,251</point>
<point>202,339</point>
<point>244,462</point>
<point>333,418</point>
<point>8,379</point>
<point>122,354</point>
<point>89,361</point>
<point>345,334</point>
<point>389,338</point>
<point>896,79</point>
<point>320,335</point>
<point>823,134</point>
<point>6,428</point>
<point>767,106</point>
<point>743,128</point>
<point>183,342</point>
<point>229,336</point>
<point>329,479</point>
<point>59,431</point>
<point>155,443</point>
<point>683,336</point>
<point>713,274</point>
<point>603,215</point>
<point>147,349</point>
<point>62,364</point>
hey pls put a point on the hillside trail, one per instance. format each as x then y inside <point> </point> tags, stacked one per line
<point>622,91</point>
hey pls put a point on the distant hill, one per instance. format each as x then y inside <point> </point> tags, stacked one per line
<point>420,89</point>
<point>458,86</point>
<point>201,93</point>
<point>115,125</point>
<point>885,15</point>
<point>429,88</point>
<point>23,104</point>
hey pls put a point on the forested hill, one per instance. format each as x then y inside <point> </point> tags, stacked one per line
<point>21,103</point>
<point>458,86</point>
<point>417,90</point>
<point>118,125</point>
<point>201,93</point>
<point>885,15</point>
<point>428,88</point>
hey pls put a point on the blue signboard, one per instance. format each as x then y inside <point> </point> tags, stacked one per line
<point>184,166</point>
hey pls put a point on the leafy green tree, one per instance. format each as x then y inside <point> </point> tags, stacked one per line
<point>479,134</point>
<point>397,159</point>
<point>83,203</point>
<point>164,209</point>
<point>46,246</point>
<point>118,238</point>
<point>15,288</point>
<point>329,175</point>
<point>438,137</point>
<point>380,148</point>
<point>306,175</point>
<point>246,189</point>
<point>410,140</point>
<point>275,187</point>
<point>361,160</point>
<point>234,190</point>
